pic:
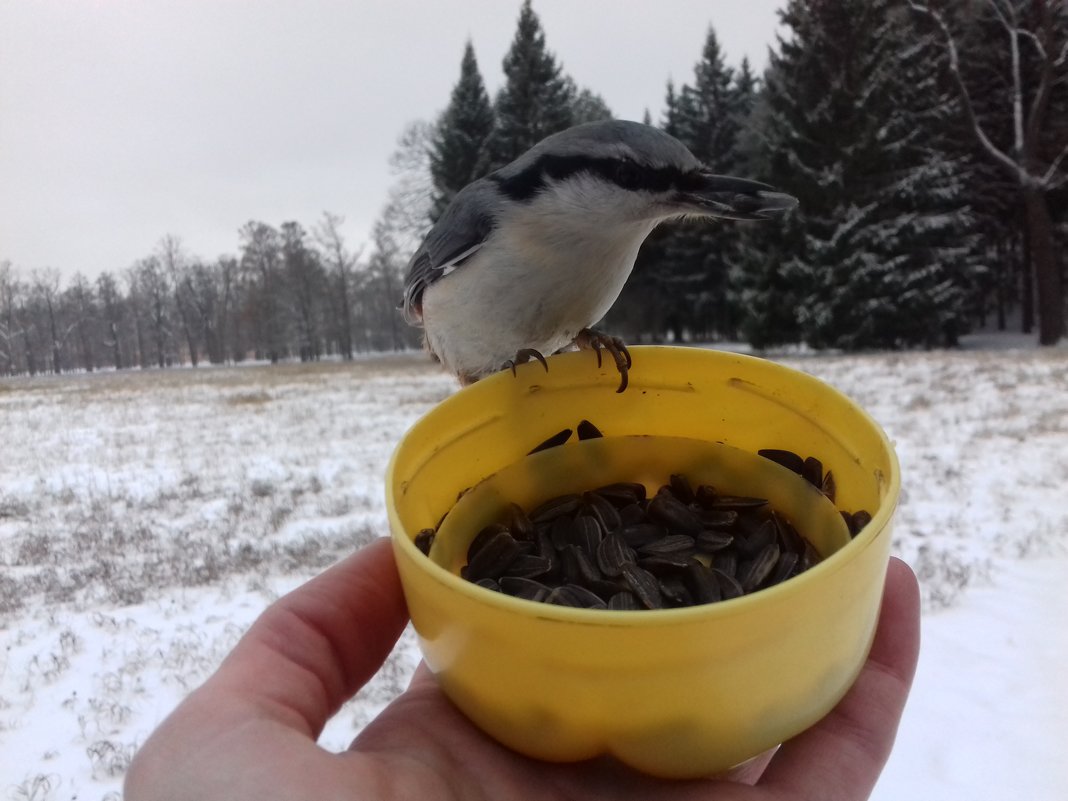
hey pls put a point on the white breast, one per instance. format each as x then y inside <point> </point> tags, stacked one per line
<point>548,272</point>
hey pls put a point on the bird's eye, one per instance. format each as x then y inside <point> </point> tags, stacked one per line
<point>628,175</point>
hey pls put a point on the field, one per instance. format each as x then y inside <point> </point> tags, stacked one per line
<point>146,518</point>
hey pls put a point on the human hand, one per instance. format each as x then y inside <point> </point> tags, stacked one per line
<point>250,731</point>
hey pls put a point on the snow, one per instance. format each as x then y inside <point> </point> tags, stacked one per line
<point>146,518</point>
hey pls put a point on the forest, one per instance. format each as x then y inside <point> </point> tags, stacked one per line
<point>927,142</point>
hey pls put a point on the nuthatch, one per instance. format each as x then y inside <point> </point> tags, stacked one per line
<point>525,260</point>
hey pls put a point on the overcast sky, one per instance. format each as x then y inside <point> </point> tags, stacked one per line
<point>124,120</point>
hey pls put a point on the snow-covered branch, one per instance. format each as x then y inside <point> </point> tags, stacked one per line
<point>993,150</point>
<point>1052,171</point>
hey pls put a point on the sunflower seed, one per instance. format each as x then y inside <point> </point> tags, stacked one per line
<point>717,518</point>
<point>728,585</point>
<point>644,586</point>
<point>674,514</point>
<point>674,591</point>
<point>529,566</point>
<point>829,487</point>
<point>521,526</point>
<point>622,493</point>
<point>613,553</point>
<point>812,471</point>
<point>556,507</point>
<point>484,536</point>
<point>736,502</point>
<point>703,584</point>
<point>424,539</point>
<point>632,514</point>
<point>525,588</point>
<point>752,574</point>
<point>558,438</point>
<point>585,533</point>
<point>671,545</point>
<point>574,595</point>
<point>488,584</point>
<point>680,487</point>
<point>750,544</point>
<point>787,459</point>
<point>710,541</point>
<point>578,567</point>
<point>641,534</point>
<point>603,510</point>
<point>726,562</point>
<point>860,520</point>
<point>623,601</point>
<point>784,568</point>
<point>587,430</point>
<point>666,564</point>
<point>494,558</point>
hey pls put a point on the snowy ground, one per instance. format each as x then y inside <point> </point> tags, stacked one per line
<point>147,518</point>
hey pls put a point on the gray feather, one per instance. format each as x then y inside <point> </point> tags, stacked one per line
<point>457,234</point>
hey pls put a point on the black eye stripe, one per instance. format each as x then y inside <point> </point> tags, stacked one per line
<point>629,174</point>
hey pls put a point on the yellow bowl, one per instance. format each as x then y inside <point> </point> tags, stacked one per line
<point>675,693</point>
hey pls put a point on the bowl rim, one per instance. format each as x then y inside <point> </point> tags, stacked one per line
<point>878,526</point>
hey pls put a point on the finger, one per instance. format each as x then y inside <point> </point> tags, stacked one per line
<point>841,757</point>
<point>314,648</point>
<point>422,675</point>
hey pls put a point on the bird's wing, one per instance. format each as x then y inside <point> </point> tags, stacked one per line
<point>457,235</point>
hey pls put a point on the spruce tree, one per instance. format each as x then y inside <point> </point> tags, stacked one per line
<point>699,254</point>
<point>877,254</point>
<point>589,106</point>
<point>460,137</point>
<point>536,100</point>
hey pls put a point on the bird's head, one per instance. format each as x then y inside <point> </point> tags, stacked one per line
<point>634,171</point>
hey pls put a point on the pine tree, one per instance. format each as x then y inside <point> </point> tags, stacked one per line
<point>460,137</point>
<point>877,255</point>
<point>589,107</point>
<point>536,100</point>
<point>699,254</point>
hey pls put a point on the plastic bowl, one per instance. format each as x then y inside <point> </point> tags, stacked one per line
<point>674,693</point>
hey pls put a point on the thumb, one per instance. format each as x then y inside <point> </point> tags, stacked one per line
<point>314,648</point>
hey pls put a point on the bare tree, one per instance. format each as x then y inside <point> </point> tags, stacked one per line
<point>261,259</point>
<point>152,293</point>
<point>107,290</point>
<point>340,262</point>
<point>175,263</point>
<point>305,282</point>
<point>46,291</point>
<point>8,323</point>
<point>209,292</point>
<point>1034,173</point>
<point>398,232</point>
<point>81,304</point>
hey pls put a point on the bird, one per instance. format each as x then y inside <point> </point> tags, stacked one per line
<point>524,261</point>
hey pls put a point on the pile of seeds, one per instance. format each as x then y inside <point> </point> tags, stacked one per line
<point>614,548</point>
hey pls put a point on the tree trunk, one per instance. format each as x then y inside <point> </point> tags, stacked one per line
<point>1027,281</point>
<point>57,366</point>
<point>116,353</point>
<point>1046,270</point>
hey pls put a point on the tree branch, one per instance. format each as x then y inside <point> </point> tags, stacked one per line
<point>1048,177</point>
<point>1062,58</point>
<point>1040,105</point>
<point>992,150</point>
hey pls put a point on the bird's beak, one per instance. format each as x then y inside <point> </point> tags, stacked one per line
<point>735,198</point>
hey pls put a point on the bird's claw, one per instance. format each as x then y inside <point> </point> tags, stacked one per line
<point>522,357</point>
<point>595,340</point>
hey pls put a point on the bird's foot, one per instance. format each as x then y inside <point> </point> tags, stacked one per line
<point>523,356</point>
<point>589,339</point>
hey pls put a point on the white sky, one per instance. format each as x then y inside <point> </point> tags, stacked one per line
<point>124,120</point>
